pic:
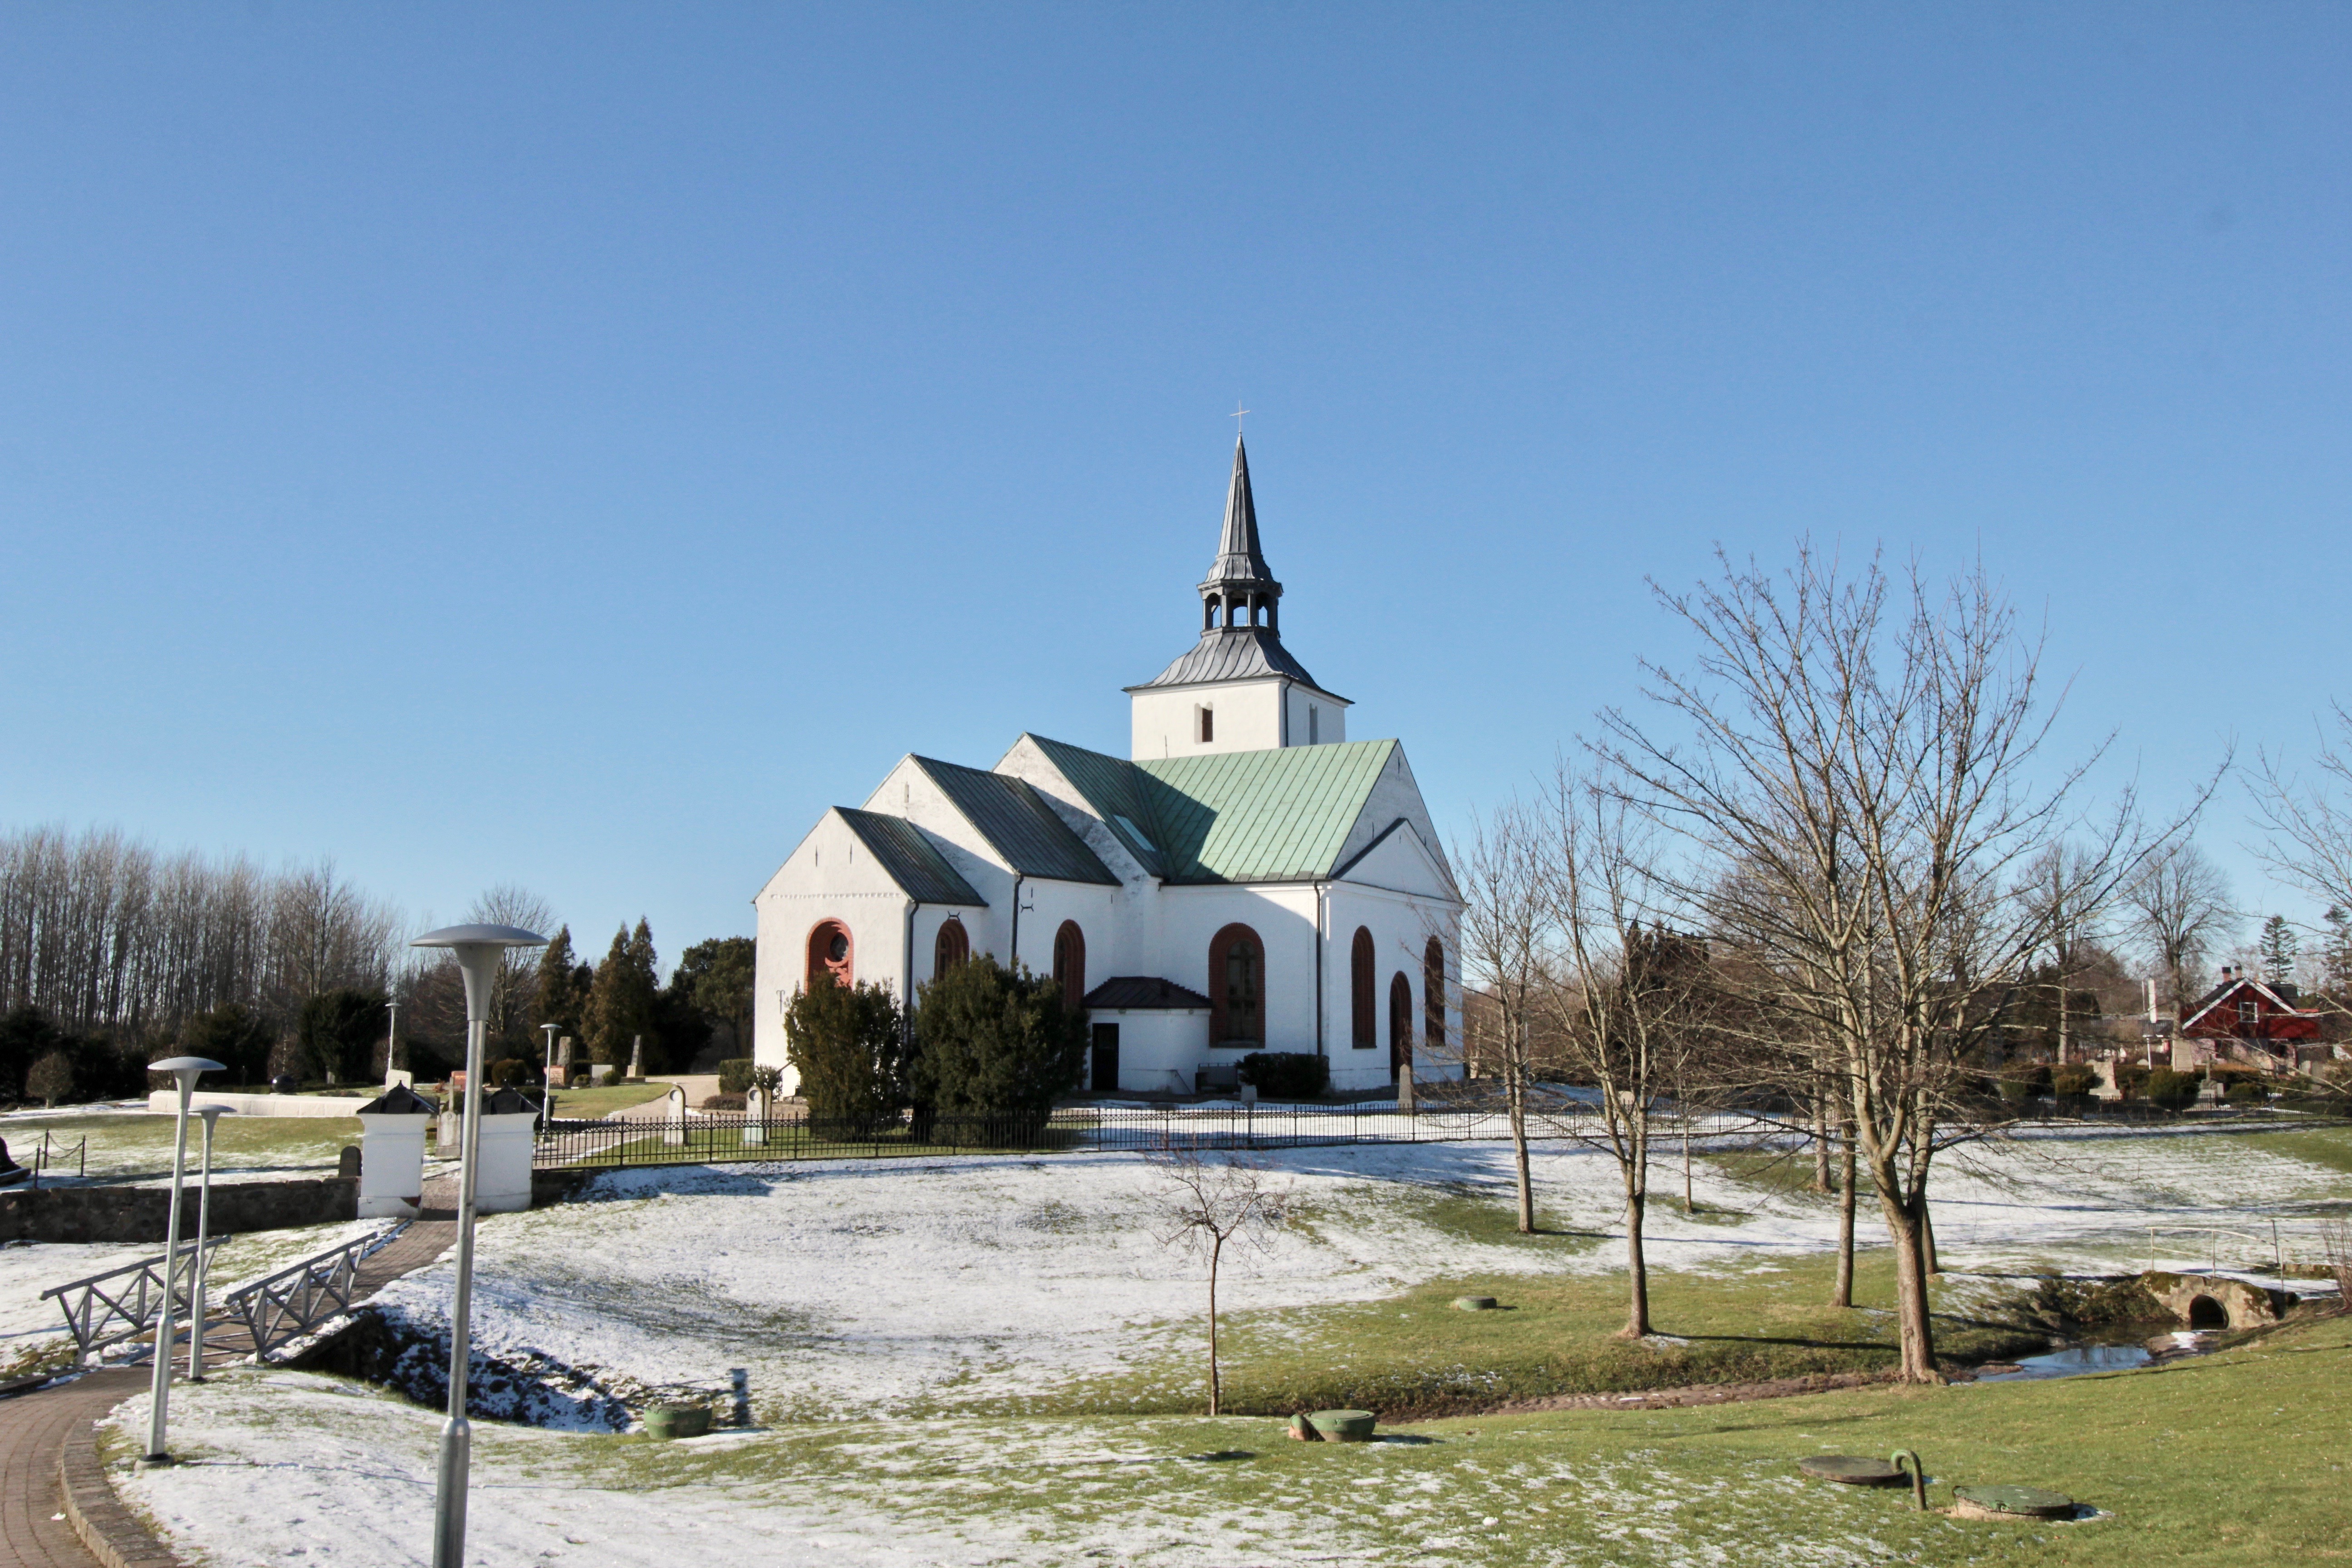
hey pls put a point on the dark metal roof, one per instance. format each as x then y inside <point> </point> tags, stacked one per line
<point>398,1100</point>
<point>1232,653</point>
<point>1017,822</point>
<point>911,860</point>
<point>1239,560</point>
<point>1143,993</point>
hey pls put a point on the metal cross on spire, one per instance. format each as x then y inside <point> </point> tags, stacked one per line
<point>1236,415</point>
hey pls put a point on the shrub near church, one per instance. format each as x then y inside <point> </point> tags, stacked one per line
<point>847,1043</point>
<point>993,1050</point>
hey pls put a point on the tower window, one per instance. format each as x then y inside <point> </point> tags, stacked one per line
<point>1314,723</point>
<point>1208,725</point>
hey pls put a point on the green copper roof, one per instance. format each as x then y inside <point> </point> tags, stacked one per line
<point>1280,816</point>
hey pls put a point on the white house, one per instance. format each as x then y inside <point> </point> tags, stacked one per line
<point>1246,878</point>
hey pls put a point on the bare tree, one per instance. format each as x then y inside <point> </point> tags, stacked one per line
<point>2067,891</point>
<point>1506,928</point>
<point>1621,1002</point>
<point>2311,824</point>
<point>1865,752</point>
<point>2179,906</point>
<point>1209,1206</point>
<point>105,935</point>
<point>515,991</point>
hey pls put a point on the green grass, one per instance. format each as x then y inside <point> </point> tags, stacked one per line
<point>604,1100</point>
<point>2327,1147</point>
<point>1553,1334</point>
<point>125,1145</point>
<point>2229,1459</point>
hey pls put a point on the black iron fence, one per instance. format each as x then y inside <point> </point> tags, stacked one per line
<point>718,1137</point>
<point>706,1138</point>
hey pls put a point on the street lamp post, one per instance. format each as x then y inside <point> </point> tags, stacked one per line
<point>186,1070</point>
<point>212,1115</point>
<point>547,1081</point>
<point>477,949</point>
<point>391,1042</point>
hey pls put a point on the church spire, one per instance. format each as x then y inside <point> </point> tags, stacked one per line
<point>1240,589</point>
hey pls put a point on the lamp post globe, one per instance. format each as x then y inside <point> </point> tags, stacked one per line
<point>184,1071</point>
<point>477,950</point>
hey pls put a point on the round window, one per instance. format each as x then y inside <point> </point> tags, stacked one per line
<point>838,948</point>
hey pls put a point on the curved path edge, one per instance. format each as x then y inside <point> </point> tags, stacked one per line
<point>63,1512</point>
<point>113,1534</point>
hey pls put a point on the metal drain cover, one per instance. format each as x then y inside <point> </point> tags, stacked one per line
<point>2010,1502</point>
<point>1851,1470</point>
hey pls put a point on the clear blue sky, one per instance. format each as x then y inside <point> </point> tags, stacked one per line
<point>575,445</point>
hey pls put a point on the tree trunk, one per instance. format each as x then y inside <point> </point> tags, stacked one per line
<point>1906,1225</point>
<point>1687,1207</point>
<point>1637,1268</point>
<point>1821,1144</point>
<point>1216,1247</point>
<point>1927,1241</point>
<point>1842,1294</point>
<point>1516,1093</point>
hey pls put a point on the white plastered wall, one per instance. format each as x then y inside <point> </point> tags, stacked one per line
<point>1165,720</point>
<point>1158,1048</point>
<point>830,875</point>
<point>1284,917</point>
<point>1397,891</point>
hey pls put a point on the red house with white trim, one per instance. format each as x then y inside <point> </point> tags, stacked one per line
<point>2260,1020</point>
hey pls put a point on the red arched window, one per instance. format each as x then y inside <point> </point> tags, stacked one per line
<point>953,946</point>
<point>829,952</point>
<point>1237,987</point>
<point>1432,994</point>
<point>1070,963</point>
<point>1363,1023</point>
<point>1400,1026</point>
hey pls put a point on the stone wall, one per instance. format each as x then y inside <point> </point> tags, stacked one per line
<point>136,1216</point>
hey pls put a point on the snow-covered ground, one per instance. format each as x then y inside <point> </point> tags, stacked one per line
<point>860,1287</point>
<point>861,1291</point>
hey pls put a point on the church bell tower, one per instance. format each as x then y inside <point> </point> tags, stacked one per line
<point>1238,688</point>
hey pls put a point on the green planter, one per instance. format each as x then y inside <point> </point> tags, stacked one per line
<point>1343,1426</point>
<point>666,1421</point>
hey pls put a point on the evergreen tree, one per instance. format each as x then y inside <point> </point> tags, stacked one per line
<point>995,1048</point>
<point>562,992</point>
<point>336,1032</point>
<point>2279,949</point>
<point>26,1037</point>
<point>716,976</point>
<point>2335,956</point>
<point>621,998</point>
<point>233,1037</point>
<point>847,1043</point>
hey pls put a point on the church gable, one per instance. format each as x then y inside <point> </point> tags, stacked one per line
<point>1400,860</point>
<point>1026,834</point>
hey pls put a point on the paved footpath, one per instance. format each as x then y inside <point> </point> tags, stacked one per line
<point>47,1438</point>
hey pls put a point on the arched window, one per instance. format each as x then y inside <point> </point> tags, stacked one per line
<point>1363,1023</point>
<point>1070,963</point>
<point>1432,994</point>
<point>829,952</point>
<point>1237,987</point>
<point>953,946</point>
<point>1209,621</point>
<point>1400,1026</point>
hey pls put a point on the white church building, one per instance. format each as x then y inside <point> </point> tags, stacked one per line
<point>1245,879</point>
